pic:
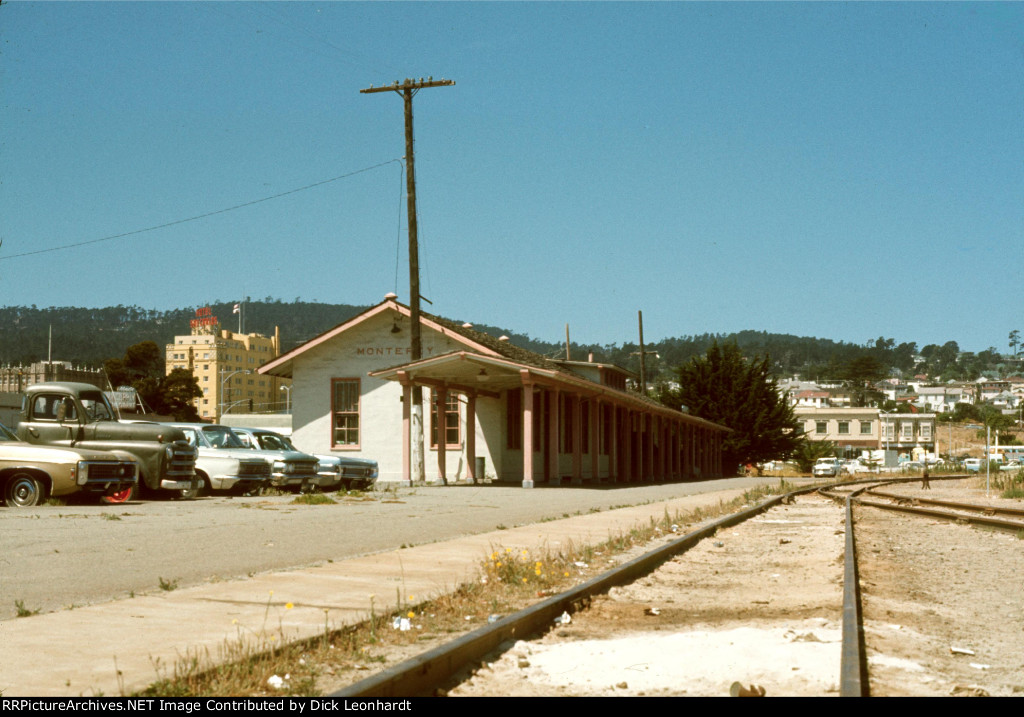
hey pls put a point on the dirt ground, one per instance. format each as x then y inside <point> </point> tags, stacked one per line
<point>760,603</point>
<point>943,603</point>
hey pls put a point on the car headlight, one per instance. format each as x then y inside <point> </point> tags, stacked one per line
<point>280,467</point>
<point>169,450</point>
<point>82,473</point>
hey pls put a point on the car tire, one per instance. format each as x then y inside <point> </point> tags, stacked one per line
<point>121,496</point>
<point>24,490</point>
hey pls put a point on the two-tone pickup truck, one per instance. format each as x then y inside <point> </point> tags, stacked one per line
<point>31,474</point>
<point>78,415</point>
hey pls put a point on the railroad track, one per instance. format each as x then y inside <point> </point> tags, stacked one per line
<point>429,672</point>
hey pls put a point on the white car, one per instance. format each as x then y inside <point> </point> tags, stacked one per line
<point>853,467</point>
<point>224,468</point>
<point>826,467</point>
<point>332,471</point>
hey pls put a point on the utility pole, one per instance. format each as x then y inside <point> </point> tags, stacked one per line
<point>407,89</point>
<point>643,355</point>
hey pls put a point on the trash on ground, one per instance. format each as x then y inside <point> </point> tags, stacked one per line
<point>738,690</point>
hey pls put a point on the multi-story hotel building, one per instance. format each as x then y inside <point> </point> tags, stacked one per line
<point>225,364</point>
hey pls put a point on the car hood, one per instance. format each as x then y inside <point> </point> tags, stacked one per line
<point>287,456</point>
<point>18,451</point>
<point>346,461</point>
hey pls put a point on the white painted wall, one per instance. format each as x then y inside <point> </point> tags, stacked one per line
<point>371,346</point>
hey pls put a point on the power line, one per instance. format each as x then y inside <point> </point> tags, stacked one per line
<point>199,216</point>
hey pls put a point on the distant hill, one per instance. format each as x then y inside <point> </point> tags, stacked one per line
<point>88,336</point>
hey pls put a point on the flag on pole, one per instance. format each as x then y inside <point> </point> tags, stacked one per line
<point>237,309</point>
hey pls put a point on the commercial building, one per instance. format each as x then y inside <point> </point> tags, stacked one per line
<point>225,364</point>
<point>15,379</point>
<point>491,409</point>
<point>856,429</point>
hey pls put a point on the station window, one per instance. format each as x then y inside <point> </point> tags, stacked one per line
<point>345,411</point>
<point>451,420</point>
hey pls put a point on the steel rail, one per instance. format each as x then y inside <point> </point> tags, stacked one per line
<point>853,667</point>
<point>1016,526</point>
<point>977,507</point>
<point>423,674</point>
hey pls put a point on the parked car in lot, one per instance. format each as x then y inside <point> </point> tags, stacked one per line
<point>289,469</point>
<point>972,465</point>
<point>826,467</point>
<point>1012,466</point>
<point>332,471</point>
<point>77,415</point>
<point>224,468</point>
<point>31,474</point>
<point>854,466</point>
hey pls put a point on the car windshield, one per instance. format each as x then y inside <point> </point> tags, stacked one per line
<point>221,437</point>
<point>96,407</point>
<point>5,434</point>
<point>273,442</point>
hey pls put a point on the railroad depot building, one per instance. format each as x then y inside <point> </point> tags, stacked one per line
<point>491,410</point>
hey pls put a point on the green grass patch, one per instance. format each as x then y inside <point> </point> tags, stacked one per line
<point>23,611</point>
<point>313,499</point>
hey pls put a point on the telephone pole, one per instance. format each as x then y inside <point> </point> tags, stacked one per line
<point>408,89</point>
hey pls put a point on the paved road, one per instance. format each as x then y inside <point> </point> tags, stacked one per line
<point>53,557</point>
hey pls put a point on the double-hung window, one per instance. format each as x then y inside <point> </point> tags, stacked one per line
<point>345,413</point>
<point>451,420</point>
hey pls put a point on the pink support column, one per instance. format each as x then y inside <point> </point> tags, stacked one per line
<point>613,445</point>
<point>677,455</point>
<point>649,446</point>
<point>627,452</point>
<point>406,429</point>
<point>528,437</point>
<point>554,445</point>
<point>471,439</point>
<point>659,473</point>
<point>595,439</point>
<point>577,438</point>
<point>440,425</point>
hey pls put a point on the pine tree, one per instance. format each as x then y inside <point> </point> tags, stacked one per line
<point>724,387</point>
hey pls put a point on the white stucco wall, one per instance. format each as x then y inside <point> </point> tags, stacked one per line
<point>371,346</point>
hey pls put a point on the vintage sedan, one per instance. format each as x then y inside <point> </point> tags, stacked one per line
<point>332,471</point>
<point>289,469</point>
<point>30,474</point>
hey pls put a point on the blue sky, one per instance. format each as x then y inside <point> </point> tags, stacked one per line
<point>822,169</point>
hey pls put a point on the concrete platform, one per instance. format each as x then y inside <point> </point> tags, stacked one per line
<point>123,646</point>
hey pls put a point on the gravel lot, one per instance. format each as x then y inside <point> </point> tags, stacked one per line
<point>55,557</point>
<point>760,603</point>
<point>943,606</point>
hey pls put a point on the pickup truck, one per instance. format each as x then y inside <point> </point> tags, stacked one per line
<point>78,415</point>
<point>31,474</point>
